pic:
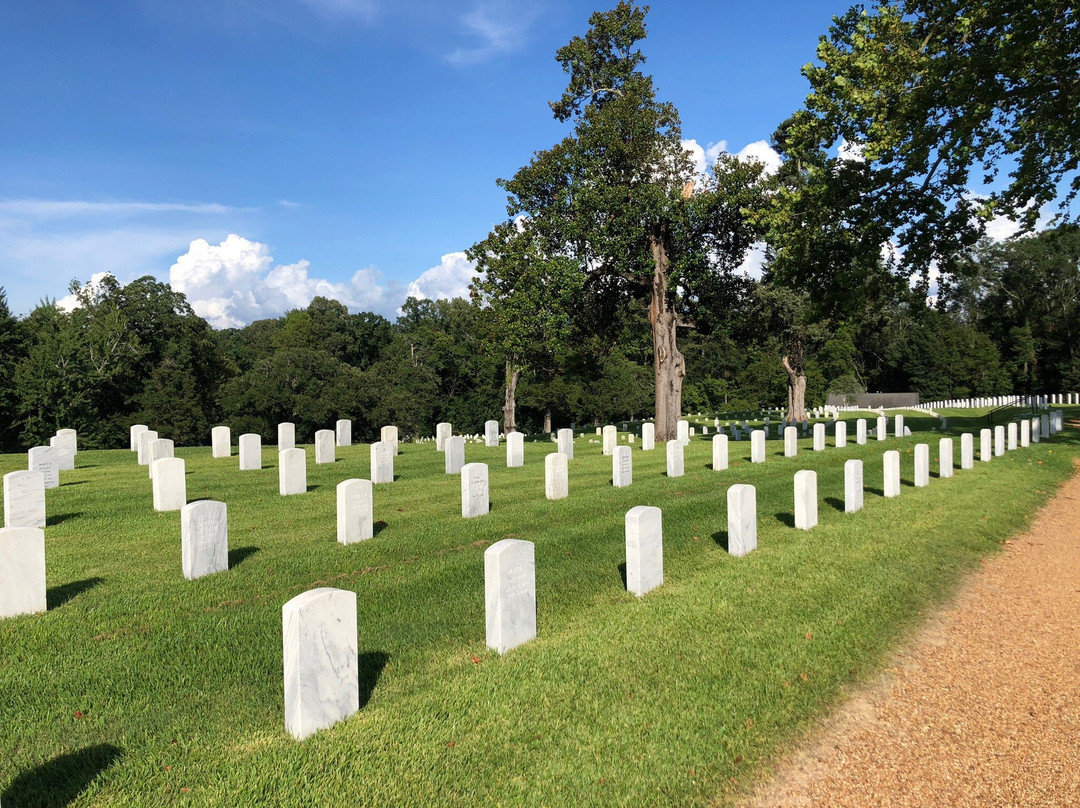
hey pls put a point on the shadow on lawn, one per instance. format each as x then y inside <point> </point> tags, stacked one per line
<point>838,504</point>
<point>56,596</point>
<point>60,518</point>
<point>787,518</point>
<point>238,554</point>
<point>370,666</point>
<point>60,781</point>
<point>721,538</point>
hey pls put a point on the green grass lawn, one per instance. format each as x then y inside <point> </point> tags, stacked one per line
<point>139,687</point>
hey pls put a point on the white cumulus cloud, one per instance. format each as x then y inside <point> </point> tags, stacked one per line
<point>234,282</point>
<point>704,156</point>
<point>761,151</point>
<point>71,301</point>
<point>448,280</point>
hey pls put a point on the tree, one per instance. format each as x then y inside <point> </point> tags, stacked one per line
<point>528,295</point>
<point>12,350</point>
<point>619,196</point>
<point>934,90</point>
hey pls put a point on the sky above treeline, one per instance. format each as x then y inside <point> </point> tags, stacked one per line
<point>256,153</point>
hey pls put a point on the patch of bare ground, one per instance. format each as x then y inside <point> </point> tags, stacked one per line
<point>982,709</point>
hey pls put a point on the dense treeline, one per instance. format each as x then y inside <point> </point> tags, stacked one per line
<point>1007,321</point>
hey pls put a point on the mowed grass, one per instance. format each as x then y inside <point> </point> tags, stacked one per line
<point>139,687</point>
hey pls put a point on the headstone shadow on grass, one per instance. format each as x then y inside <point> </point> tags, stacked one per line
<point>378,527</point>
<point>787,518</point>
<point>311,488</point>
<point>56,596</point>
<point>60,781</point>
<point>60,518</point>
<point>370,666</point>
<point>876,491</point>
<point>721,538</point>
<point>238,554</point>
<point>74,482</point>
<point>622,573</point>
<point>838,504</point>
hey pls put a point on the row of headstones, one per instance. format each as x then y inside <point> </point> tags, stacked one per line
<point>58,456</point>
<point>1043,401</point>
<point>320,636</point>
<point>326,441</point>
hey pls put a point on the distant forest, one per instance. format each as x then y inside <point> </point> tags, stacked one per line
<point>1008,320</point>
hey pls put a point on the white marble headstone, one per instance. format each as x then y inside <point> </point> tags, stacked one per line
<point>292,471</point>
<point>355,511</point>
<point>474,490</point>
<point>204,538</point>
<point>389,435</point>
<point>1025,434</point>
<point>986,448</point>
<point>324,446</point>
<point>65,457</point>
<point>1012,435</point>
<point>22,571</point>
<point>967,451</point>
<point>286,436</point>
<point>644,549</point>
<point>999,440</point>
<point>610,435</point>
<point>853,486</point>
<point>566,443</point>
<point>622,468</point>
<point>860,431</point>
<point>719,452</point>
<point>891,464</point>
<point>556,484</point>
<point>515,450</point>
<point>648,437</point>
<point>24,499</point>
<point>682,431</point>
<point>443,430</point>
<point>170,484</point>
<point>45,459</point>
<point>134,432</point>
<point>922,465</point>
<point>510,593</point>
<point>491,433</point>
<point>343,432</point>
<point>757,446</point>
<point>791,441</point>
<point>945,458</point>
<point>806,505</point>
<point>382,462</point>
<point>250,452</point>
<point>819,437</point>
<point>221,441</point>
<point>322,677</point>
<point>162,447</point>
<point>841,434</point>
<point>742,519</point>
<point>675,464</point>
<point>882,427</point>
<point>454,454</point>
<point>145,438</point>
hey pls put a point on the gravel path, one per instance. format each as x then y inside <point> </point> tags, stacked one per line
<point>982,710</point>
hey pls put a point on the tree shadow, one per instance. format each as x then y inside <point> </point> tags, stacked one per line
<point>238,554</point>
<point>60,781</point>
<point>378,527</point>
<point>721,538</point>
<point>787,518</point>
<point>56,596</point>
<point>622,573</point>
<point>60,518</point>
<point>370,666</point>
<point>838,504</point>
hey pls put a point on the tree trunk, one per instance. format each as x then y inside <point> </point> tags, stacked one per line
<point>513,373</point>
<point>547,421</point>
<point>668,364</point>
<point>796,388</point>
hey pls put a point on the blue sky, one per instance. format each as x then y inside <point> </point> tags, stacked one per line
<point>258,152</point>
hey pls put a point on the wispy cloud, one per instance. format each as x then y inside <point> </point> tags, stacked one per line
<point>364,10</point>
<point>497,27</point>
<point>41,209</point>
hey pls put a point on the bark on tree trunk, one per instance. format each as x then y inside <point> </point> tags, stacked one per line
<point>668,363</point>
<point>796,386</point>
<point>510,406</point>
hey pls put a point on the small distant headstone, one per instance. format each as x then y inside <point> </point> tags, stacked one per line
<point>644,549</point>
<point>146,437</point>
<point>945,458</point>
<point>806,506</point>
<point>648,437</point>
<point>682,431</point>
<point>250,452</point>
<point>898,425</point>
<point>610,436</point>
<point>882,427</point>
<point>891,462</point>
<point>454,454</point>
<point>491,433</point>
<point>510,594</point>
<point>45,459</point>
<point>221,441</point>
<point>566,443</point>
<point>135,431</point>
<point>292,472</point>
<point>324,447</point>
<point>967,451</point>
<point>719,452</point>
<point>515,450</point>
<point>791,441</point>
<point>622,470</point>
<point>22,571</point>
<point>757,446</point>
<point>24,499</point>
<point>819,437</point>
<point>286,436</point>
<point>170,484</point>
<point>841,434</point>
<point>860,431</point>
<point>675,465</point>
<point>343,432</point>
<point>204,538</point>
<point>355,511</point>
<point>382,462</point>
<point>853,486</point>
<point>742,519</point>
<point>922,465</point>
<point>443,430</point>
<point>556,483</point>
<point>474,490</point>
<point>319,643</point>
<point>986,449</point>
